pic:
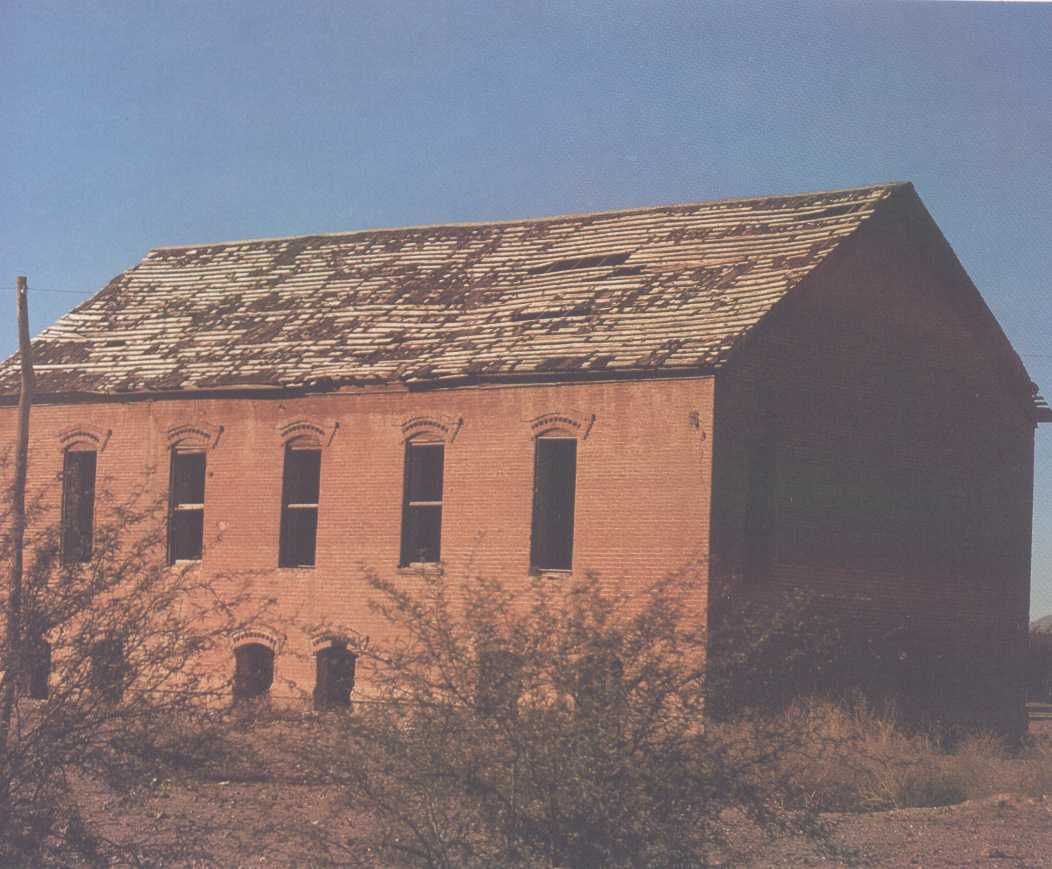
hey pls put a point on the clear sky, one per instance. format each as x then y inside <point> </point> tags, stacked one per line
<point>130,125</point>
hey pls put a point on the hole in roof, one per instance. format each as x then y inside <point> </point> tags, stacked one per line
<point>834,211</point>
<point>580,262</point>
<point>575,311</point>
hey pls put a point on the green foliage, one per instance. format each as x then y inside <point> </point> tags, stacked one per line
<point>558,726</point>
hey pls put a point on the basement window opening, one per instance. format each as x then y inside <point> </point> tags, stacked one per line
<point>335,678</point>
<point>78,505</point>
<point>300,489</point>
<point>253,672</point>
<point>187,506</point>
<point>499,682</point>
<point>554,482</point>
<point>422,504</point>
<point>109,670</point>
<point>600,683</point>
<point>38,673</point>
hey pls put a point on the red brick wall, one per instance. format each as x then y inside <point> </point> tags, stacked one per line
<point>904,455</point>
<point>641,507</point>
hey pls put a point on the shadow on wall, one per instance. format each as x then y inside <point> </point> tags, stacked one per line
<point>768,648</point>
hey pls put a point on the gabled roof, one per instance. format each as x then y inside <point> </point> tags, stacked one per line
<point>668,288</point>
<point>660,290</point>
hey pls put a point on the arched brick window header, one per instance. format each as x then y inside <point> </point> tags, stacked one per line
<point>442,428</point>
<point>307,432</point>
<point>83,437</point>
<point>198,434</point>
<point>263,636</point>
<point>564,423</point>
<point>350,640</point>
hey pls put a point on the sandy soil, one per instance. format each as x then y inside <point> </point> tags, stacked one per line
<point>290,824</point>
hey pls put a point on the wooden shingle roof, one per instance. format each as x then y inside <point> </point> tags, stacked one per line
<point>664,290</point>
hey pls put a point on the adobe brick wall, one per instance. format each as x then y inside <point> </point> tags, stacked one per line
<point>904,458</point>
<point>642,506</point>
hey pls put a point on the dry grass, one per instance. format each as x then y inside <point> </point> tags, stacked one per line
<point>854,758</point>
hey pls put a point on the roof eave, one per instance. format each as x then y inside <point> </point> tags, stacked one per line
<point>301,390</point>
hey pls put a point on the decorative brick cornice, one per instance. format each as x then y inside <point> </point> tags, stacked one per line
<point>198,433</point>
<point>312,431</point>
<point>445,428</point>
<point>353,641</point>
<point>568,422</point>
<point>84,436</point>
<point>262,635</point>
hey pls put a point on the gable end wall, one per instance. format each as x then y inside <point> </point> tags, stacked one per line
<point>903,453</point>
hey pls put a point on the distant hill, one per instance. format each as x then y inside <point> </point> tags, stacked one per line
<point>1042,625</point>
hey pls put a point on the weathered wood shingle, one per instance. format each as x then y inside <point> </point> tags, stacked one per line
<point>669,288</point>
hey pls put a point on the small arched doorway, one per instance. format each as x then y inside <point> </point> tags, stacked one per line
<point>253,672</point>
<point>335,677</point>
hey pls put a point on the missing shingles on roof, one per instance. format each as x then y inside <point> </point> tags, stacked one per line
<point>625,271</point>
<point>835,211</point>
<point>580,262</point>
<point>575,311</point>
<point>443,302</point>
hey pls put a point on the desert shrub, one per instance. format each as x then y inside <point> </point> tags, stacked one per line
<point>106,685</point>
<point>560,725</point>
<point>853,757</point>
<point>770,647</point>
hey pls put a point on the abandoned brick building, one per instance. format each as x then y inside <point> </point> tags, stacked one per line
<point>784,390</point>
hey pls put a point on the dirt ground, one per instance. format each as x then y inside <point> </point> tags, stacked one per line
<point>288,824</point>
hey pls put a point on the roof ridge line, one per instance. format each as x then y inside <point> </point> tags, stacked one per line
<point>887,185</point>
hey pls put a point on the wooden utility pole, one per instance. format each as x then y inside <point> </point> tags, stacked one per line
<point>13,664</point>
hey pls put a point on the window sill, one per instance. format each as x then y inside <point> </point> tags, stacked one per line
<point>551,572</point>
<point>185,562</point>
<point>296,566</point>
<point>431,568</point>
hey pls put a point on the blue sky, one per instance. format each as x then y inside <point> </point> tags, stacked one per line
<point>131,125</point>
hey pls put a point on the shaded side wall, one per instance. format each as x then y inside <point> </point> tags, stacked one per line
<point>903,459</point>
<point>642,508</point>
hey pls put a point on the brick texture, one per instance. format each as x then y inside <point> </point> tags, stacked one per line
<point>641,502</point>
<point>904,456</point>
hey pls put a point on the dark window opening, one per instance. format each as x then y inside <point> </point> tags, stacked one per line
<point>600,683</point>
<point>78,506</point>
<point>335,678</point>
<point>499,684</point>
<point>554,480</point>
<point>186,521</point>
<point>422,504</point>
<point>109,671</point>
<point>300,490</point>
<point>38,667</point>
<point>253,672</point>
<point>759,505</point>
